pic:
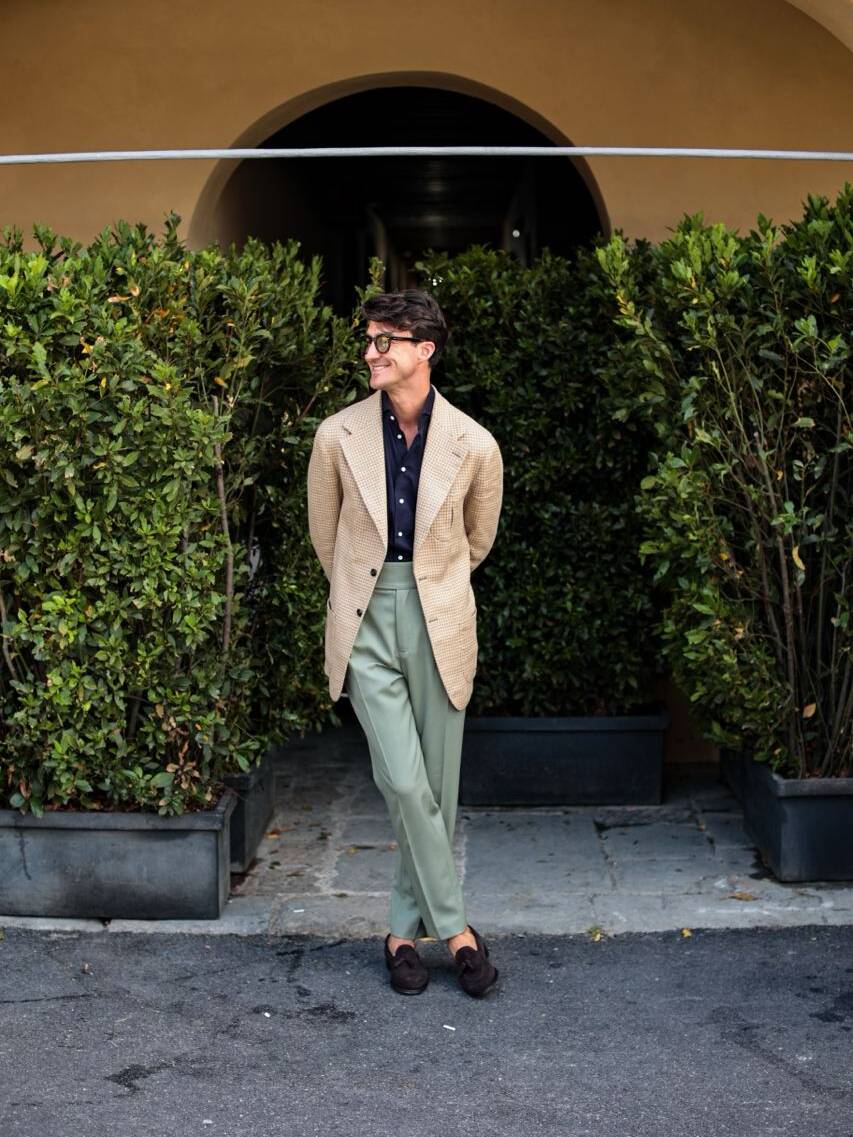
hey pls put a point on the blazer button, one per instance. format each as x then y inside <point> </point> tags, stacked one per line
<point>358,611</point>
<point>373,572</point>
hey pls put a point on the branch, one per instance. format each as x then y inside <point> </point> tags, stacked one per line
<point>6,653</point>
<point>229,559</point>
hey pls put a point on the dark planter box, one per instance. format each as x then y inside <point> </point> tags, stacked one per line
<point>802,826</point>
<point>589,760</point>
<point>255,791</point>
<point>99,864</point>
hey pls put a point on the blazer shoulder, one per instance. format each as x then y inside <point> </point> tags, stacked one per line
<point>330,426</point>
<point>481,440</point>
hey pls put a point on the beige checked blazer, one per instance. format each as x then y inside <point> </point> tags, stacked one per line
<point>460,492</point>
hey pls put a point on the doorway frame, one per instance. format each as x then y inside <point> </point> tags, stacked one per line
<point>201,226</point>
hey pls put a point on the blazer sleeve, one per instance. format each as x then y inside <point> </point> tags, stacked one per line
<point>482,506</point>
<point>324,498</point>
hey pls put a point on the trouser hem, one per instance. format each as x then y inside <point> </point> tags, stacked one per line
<point>442,935</point>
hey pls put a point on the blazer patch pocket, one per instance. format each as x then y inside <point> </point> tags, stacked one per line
<point>330,630</point>
<point>468,623</point>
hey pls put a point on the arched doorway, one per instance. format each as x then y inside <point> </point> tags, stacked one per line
<point>348,210</point>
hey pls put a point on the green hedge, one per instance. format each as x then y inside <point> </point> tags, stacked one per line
<point>566,619</point>
<point>746,344</point>
<point>676,436</point>
<point>161,608</point>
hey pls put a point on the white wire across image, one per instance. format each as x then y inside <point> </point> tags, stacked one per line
<point>425,151</point>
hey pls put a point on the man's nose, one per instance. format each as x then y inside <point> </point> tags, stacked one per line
<point>371,353</point>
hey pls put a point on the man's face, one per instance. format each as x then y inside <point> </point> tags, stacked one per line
<point>403,359</point>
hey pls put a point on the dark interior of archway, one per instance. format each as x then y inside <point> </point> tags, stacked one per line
<point>349,209</point>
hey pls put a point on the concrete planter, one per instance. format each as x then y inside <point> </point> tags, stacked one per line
<point>584,760</point>
<point>255,792</point>
<point>135,866</point>
<point>802,826</point>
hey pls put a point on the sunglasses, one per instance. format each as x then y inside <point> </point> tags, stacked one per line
<point>384,340</point>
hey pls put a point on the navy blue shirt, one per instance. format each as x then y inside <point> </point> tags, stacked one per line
<point>402,474</point>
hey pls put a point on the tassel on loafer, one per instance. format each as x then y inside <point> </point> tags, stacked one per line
<point>409,976</point>
<point>473,970</point>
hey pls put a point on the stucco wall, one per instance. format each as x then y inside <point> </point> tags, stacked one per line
<point>97,75</point>
<point>835,15</point>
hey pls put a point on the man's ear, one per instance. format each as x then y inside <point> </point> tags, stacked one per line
<point>430,346</point>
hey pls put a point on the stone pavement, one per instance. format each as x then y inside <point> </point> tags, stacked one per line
<point>325,866</point>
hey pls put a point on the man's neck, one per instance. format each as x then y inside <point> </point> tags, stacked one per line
<point>408,404</point>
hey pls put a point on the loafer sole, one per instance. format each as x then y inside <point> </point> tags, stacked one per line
<point>410,990</point>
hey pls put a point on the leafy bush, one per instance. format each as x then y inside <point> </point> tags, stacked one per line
<point>746,343</point>
<point>566,618</point>
<point>161,614</point>
<point>251,325</point>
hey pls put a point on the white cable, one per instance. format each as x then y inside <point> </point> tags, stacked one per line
<point>425,152</point>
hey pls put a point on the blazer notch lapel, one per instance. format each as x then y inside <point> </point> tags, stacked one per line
<point>363,447</point>
<point>444,453</point>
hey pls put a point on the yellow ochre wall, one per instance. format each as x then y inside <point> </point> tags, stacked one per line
<point>742,73</point>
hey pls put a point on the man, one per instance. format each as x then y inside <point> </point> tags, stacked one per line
<point>404,496</point>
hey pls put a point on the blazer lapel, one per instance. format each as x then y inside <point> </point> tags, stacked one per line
<point>443,455</point>
<point>364,450</point>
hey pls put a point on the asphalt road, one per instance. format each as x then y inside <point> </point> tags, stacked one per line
<point>725,1032</point>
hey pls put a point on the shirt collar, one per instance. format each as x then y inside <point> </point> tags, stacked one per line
<point>427,408</point>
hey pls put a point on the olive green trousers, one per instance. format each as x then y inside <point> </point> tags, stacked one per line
<point>415,737</point>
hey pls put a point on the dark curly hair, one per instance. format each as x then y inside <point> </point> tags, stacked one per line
<point>412,311</point>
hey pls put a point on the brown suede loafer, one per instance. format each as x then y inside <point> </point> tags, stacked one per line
<point>473,970</point>
<point>408,974</point>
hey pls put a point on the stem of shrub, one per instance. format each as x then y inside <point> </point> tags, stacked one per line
<point>6,655</point>
<point>229,560</point>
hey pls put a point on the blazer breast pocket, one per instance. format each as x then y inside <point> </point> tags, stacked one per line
<point>442,527</point>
